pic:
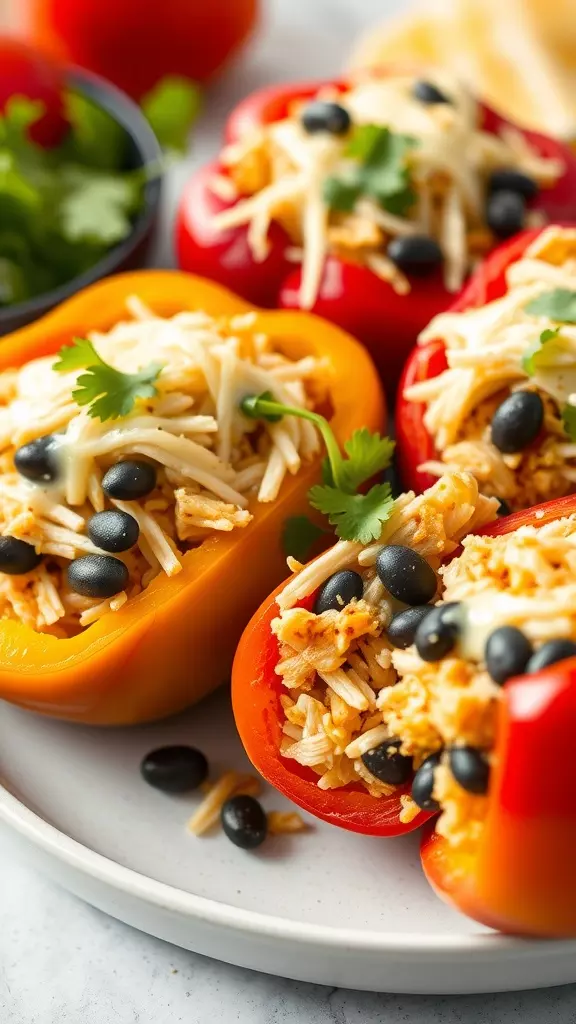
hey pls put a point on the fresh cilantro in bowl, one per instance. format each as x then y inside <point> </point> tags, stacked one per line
<point>66,208</point>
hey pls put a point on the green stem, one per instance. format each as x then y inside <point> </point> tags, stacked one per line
<point>266,408</point>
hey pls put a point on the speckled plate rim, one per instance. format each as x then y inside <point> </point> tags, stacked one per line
<point>57,845</point>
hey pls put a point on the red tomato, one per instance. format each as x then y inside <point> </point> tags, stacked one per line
<point>25,72</point>
<point>134,43</point>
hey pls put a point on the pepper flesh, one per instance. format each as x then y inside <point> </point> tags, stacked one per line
<point>414,443</point>
<point>520,876</point>
<point>173,643</point>
<point>349,294</point>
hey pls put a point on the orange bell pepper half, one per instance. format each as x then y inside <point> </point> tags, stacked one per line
<point>520,877</point>
<point>174,642</point>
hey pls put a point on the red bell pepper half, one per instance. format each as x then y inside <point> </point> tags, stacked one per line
<point>256,691</point>
<point>520,879</point>
<point>488,282</point>
<point>350,295</point>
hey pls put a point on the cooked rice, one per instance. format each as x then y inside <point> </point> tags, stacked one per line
<point>231,784</point>
<point>278,170</point>
<point>484,350</point>
<point>526,579</point>
<point>212,462</point>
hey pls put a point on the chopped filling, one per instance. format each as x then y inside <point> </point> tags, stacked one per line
<point>505,408</point>
<point>401,686</point>
<point>394,173</point>
<point>129,449</point>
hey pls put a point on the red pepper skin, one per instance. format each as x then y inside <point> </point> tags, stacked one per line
<point>414,444</point>
<point>256,691</point>
<point>350,295</point>
<point>520,878</point>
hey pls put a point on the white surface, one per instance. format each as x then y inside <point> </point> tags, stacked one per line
<point>327,906</point>
<point>60,960</point>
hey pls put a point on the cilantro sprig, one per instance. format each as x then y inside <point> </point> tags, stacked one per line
<point>532,357</point>
<point>377,169</point>
<point>558,304</point>
<point>355,516</point>
<point>106,392</point>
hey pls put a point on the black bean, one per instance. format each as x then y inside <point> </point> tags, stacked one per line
<point>37,460</point>
<point>113,530</point>
<point>97,575</point>
<point>503,508</point>
<point>423,784</point>
<point>406,575</point>
<point>244,822</point>
<point>17,557</point>
<point>176,769</point>
<point>129,480</point>
<point>386,764</point>
<point>415,254</point>
<point>322,116</point>
<point>513,181</point>
<point>505,212</point>
<point>506,653</point>
<point>470,768</point>
<point>338,590</point>
<point>428,93</point>
<point>403,626</point>
<point>517,421</point>
<point>438,632</point>
<point>550,653</point>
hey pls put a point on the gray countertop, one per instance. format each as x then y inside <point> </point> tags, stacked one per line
<point>61,962</point>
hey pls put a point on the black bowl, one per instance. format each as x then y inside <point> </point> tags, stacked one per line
<point>142,148</point>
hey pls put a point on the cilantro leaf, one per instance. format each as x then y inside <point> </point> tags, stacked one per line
<point>108,393</point>
<point>569,420</point>
<point>77,356</point>
<point>368,454</point>
<point>559,304</point>
<point>380,173</point>
<point>298,536</point>
<point>97,140</point>
<point>535,348</point>
<point>356,517</point>
<point>97,206</point>
<point>171,107</point>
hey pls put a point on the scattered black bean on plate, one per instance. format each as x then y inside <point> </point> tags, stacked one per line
<point>507,653</point>
<point>387,765</point>
<point>438,632</point>
<point>415,254</point>
<point>323,116</point>
<point>113,530</point>
<point>244,822</point>
<point>338,590</point>
<point>550,653</point>
<point>423,784</point>
<point>97,575</point>
<point>402,628</point>
<point>176,769</point>
<point>17,557</point>
<point>505,212</point>
<point>508,180</point>
<point>470,769</point>
<point>428,93</point>
<point>406,575</point>
<point>517,421</point>
<point>129,480</point>
<point>37,460</point>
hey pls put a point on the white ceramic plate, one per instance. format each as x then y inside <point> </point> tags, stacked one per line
<point>327,906</point>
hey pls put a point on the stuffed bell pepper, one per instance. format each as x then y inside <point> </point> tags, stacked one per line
<point>491,387</point>
<point>367,200</point>
<point>141,509</point>
<point>433,672</point>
